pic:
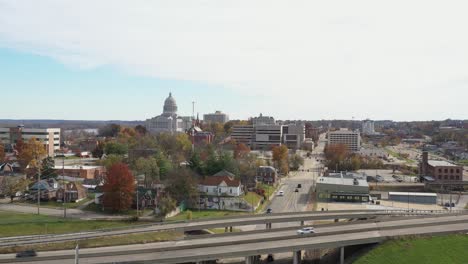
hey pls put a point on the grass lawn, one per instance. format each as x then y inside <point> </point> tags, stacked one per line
<point>18,224</point>
<point>55,204</point>
<point>101,242</point>
<point>204,214</point>
<point>252,198</point>
<point>92,207</point>
<point>269,189</point>
<point>441,249</point>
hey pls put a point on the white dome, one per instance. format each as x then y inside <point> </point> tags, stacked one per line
<point>170,106</point>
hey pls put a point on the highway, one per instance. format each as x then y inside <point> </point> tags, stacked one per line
<point>235,245</point>
<point>207,224</point>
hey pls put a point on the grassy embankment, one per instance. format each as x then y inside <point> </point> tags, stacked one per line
<point>441,249</point>
<point>205,214</point>
<point>17,224</point>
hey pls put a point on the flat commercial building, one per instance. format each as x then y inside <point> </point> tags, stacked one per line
<point>264,136</point>
<point>216,117</point>
<point>352,139</point>
<point>342,187</point>
<point>243,134</point>
<point>49,137</point>
<point>413,197</point>
<point>439,170</point>
<point>267,136</point>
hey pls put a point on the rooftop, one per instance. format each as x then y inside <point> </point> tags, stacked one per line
<point>412,194</point>
<point>436,163</point>
<point>343,181</point>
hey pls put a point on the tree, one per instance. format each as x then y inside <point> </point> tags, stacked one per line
<point>110,130</point>
<point>48,168</point>
<point>164,164</point>
<point>280,157</point>
<point>148,167</point>
<point>241,151</point>
<point>295,161</point>
<point>118,188</point>
<point>31,153</point>
<point>182,186</point>
<point>98,150</point>
<point>111,160</point>
<point>2,152</point>
<point>166,205</point>
<point>141,130</point>
<point>12,185</point>
<point>196,164</point>
<point>115,148</point>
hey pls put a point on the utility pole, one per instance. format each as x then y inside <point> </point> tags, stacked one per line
<point>63,188</point>
<point>38,180</point>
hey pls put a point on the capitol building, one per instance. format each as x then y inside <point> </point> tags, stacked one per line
<point>169,121</point>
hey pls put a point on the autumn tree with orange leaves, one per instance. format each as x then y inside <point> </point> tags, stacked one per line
<point>118,188</point>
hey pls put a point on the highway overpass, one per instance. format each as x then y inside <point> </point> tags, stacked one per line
<point>267,219</point>
<point>248,245</point>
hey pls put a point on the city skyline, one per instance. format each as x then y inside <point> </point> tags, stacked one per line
<point>316,62</point>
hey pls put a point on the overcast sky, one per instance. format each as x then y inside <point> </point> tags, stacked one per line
<point>400,60</point>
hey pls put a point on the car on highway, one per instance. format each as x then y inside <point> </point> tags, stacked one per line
<point>299,185</point>
<point>281,193</point>
<point>306,230</point>
<point>26,253</point>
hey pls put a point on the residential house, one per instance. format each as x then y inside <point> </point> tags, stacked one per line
<point>71,192</point>
<point>267,175</point>
<point>221,186</point>
<point>146,197</point>
<point>47,188</point>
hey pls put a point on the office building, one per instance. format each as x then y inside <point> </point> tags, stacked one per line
<point>293,135</point>
<point>216,117</point>
<point>243,134</point>
<point>267,136</point>
<point>352,139</point>
<point>263,120</point>
<point>49,137</point>
<point>368,127</point>
<point>169,120</point>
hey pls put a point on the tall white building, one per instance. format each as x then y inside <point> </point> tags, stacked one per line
<point>169,120</point>
<point>368,127</point>
<point>263,120</point>
<point>216,117</point>
<point>352,139</point>
<point>49,137</point>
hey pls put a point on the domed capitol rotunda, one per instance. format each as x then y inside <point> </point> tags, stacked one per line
<point>168,121</point>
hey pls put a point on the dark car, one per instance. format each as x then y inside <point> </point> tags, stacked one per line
<point>26,254</point>
<point>299,185</point>
<point>269,211</point>
<point>270,258</point>
<point>297,190</point>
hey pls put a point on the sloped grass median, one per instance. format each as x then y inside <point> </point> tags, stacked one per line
<point>205,214</point>
<point>21,224</point>
<point>451,249</point>
<point>142,238</point>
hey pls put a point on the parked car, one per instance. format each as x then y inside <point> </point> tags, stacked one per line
<point>299,185</point>
<point>297,190</point>
<point>270,258</point>
<point>269,211</point>
<point>26,253</point>
<point>306,230</point>
<point>280,193</point>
